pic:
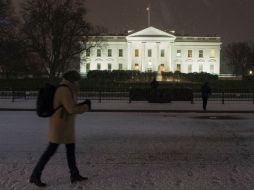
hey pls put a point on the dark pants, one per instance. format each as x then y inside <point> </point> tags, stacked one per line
<point>50,151</point>
<point>205,99</point>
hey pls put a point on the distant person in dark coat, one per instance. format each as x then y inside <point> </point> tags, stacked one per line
<point>154,84</point>
<point>206,92</point>
<point>154,93</point>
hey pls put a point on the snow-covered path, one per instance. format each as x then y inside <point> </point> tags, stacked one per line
<point>143,151</point>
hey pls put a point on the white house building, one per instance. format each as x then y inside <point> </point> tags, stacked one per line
<point>152,49</point>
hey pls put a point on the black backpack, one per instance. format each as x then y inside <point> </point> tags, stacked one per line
<point>45,100</point>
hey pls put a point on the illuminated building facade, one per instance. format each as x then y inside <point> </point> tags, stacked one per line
<point>152,49</point>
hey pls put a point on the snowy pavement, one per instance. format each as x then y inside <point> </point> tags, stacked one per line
<point>142,151</point>
<point>143,106</point>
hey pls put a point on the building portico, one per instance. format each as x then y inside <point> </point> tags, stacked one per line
<point>151,50</point>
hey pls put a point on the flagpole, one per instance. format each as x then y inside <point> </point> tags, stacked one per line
<point>149,15</point>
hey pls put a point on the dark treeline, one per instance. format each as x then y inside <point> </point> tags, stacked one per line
<point>240,57</point>
<point>45,39</point>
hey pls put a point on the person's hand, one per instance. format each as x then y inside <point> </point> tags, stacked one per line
<point>84,108</point>
<point>88,103</point>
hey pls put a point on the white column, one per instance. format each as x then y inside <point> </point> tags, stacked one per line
<point>157,62</point>
<point>170,67</point>
<point>217,63</point>
<point>129,56</point>
<point>143,55</point>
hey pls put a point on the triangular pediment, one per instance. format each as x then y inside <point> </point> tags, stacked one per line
<point>151,32</point>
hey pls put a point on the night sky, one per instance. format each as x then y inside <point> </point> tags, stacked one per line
<point>233,20</point>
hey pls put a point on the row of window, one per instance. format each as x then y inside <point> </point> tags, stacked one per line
<point>200,53</point>
<point>161,67</point>
<point>178,53</point>
<point>120,53</point>
<point>200,68</point>
<point>120,66</point>
<point>178,68</point>
<point>149,53</point>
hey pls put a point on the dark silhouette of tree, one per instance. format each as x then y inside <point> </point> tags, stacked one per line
<point>57,31</point>
<point>4,4</point>
<point>251,60</point>
<point>13,51</point>
<point>237,54</point>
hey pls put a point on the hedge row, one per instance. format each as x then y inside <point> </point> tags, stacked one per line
<point>148,76</point>
<point>191,77</point>
<point>161,95</point>
<point>132,79</point>
<point>121,75</point>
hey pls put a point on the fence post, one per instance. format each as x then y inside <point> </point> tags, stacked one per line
<point>222,97</point>
<point>192,98</point>
<point>100,96</point>
<point>13,95</point>
<point>253,97</point>
<point>25,94</point>
<point>129,95</point>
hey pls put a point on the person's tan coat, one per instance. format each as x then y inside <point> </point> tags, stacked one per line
<point>62,122</point>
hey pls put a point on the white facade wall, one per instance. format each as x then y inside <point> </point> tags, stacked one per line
<point>156,41</point>
<point>104,60</point>
<point>207,62</point>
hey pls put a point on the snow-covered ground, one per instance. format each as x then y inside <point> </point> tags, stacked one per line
<point>142,151</point>
<point>124,105</point>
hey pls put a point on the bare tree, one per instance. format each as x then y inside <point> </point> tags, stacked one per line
<point>13,54</point>
<point>251,62</point>
<point>4,4</point>
<point>237,55</point>
<point>57,31</point>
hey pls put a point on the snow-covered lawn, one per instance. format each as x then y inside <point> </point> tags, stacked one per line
<point>143,151</point>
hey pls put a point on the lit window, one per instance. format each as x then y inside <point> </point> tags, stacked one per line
<point>98,66</point>
<point>88,52</point>
<point>136,53</point>
<point>120,52</point>
<point>87,67</point>
<point>189,68</point>
<point>136,67</point>
<point>98,52</point>
<point>162,68</point>
<point>149,53</point>
<point>189,53</point>
<point>109,67</point>
<point>120,66</point>
<point>162,53</point>
<point>178,53</point>
<point>150,65</point>
<point>212,53</point>
<point>178,67</point>
<point>109,52</point>
<point>201,54</point>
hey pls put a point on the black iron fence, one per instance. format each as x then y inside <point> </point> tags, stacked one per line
<point>124,95</point>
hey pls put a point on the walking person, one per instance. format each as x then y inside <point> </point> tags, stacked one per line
<point>154,92</point>
<point>154,84</point>
<point>62,129</point>
<point>205,92</point>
